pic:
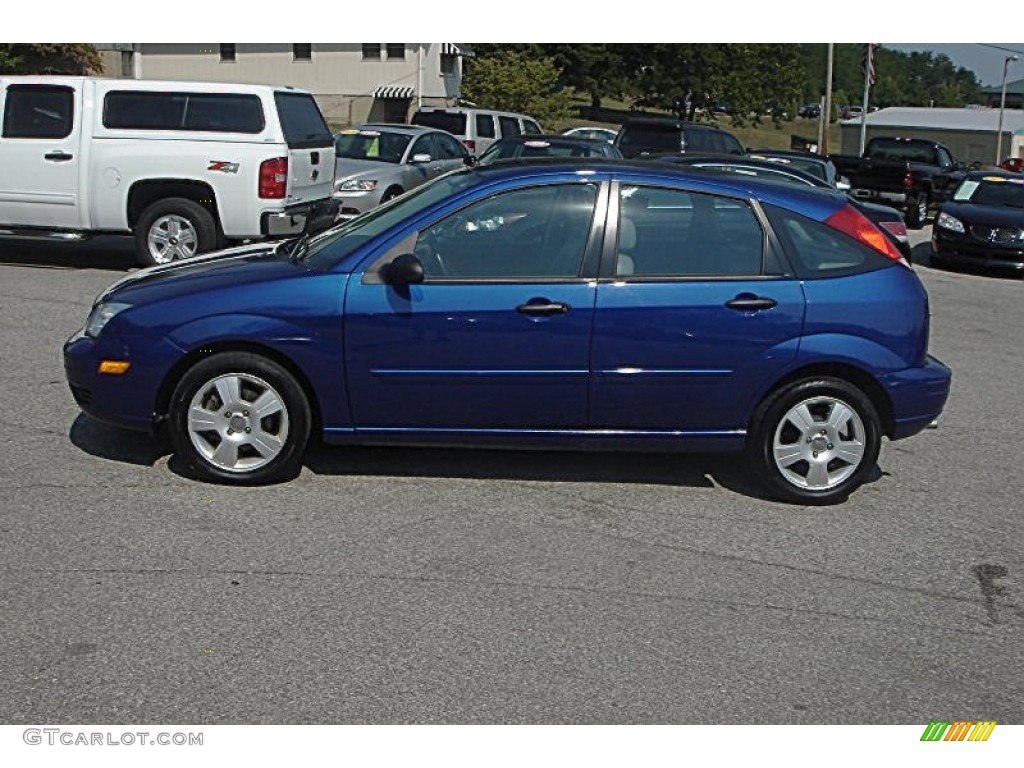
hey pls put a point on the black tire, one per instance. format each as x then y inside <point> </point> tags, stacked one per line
<point>917,213</point>
<point>204,232</point>
<point>265,449</point>
<point>794,478</point>
<point>390,194</point>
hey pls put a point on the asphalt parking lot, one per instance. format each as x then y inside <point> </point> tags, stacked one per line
<point>387,586</point>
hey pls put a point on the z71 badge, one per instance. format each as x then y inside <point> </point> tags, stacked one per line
<point>223,166</point>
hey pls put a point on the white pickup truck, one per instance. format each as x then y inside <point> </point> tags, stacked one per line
<point>184,166</point>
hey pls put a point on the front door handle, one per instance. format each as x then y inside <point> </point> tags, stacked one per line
<point>58,156</point>
<point>748,302</point>
<point>543,307</point>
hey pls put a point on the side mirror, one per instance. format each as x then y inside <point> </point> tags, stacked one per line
<point>843,184</point>
<point>469,161</point>
<point>422,157</point>
<point>403,270</point>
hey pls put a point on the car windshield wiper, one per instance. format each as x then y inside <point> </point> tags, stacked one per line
<point>299,248</point>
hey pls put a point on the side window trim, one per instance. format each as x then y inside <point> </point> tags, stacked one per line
<point>371,274</point>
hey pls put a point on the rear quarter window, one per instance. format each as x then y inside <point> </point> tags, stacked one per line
<point>453,122</point>
<point>816,251</point>
<point>167,111</point>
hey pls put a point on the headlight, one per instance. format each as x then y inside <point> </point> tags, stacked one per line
<point>950,222</point>
<point>356,185</point>
<point>101,315</point>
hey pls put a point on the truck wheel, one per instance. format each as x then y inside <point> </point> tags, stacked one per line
<point>917,214</point>
<point>174,228</point>
<point>815,441</point>
<point>238,417</point>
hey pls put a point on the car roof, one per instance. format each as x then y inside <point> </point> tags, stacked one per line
<point>789,153</point>
<point>814,201</point>
<point>741,161</point>
<point>554,138</point>
<point>411,130</point>
<point>668,122</point>
<point>1002,173</point>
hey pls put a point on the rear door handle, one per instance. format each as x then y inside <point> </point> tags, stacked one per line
<point>748,302</point>
<point>58,156</point>
<point>542,307</point>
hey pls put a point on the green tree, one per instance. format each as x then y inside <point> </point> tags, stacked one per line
<point>49,59</point>
<point>516,81</point>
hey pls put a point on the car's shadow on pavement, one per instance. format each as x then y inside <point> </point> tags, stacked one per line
<point>122,445</point>
<point>109,253</point>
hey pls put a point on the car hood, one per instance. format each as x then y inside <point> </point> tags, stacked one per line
<point>347,168</point>
<point>233,266</point>
<point>987,215</point>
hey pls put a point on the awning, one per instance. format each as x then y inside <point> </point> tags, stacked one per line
<point>393,92</point>
<point>451,49</point>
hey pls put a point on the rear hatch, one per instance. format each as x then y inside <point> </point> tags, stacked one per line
<point>310,147</point>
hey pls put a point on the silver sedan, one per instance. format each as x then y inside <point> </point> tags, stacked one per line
<point>377,162</point>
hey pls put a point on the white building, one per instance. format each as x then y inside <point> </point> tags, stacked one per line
<point>352,82</point>
<point>970,133</point>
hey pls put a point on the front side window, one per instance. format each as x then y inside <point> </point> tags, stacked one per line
<point>526,234</point>
<point>424,146</point>
<point>38,112</point>
<point>674,233</point>
<point>530,128</point>
<point>449,149</point>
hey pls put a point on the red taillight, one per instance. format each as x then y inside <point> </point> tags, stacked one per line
<point>469,144</point>
<point>908,178</point>
<point>274,178</point>
<point>852,222</point>
<point>894,228</point>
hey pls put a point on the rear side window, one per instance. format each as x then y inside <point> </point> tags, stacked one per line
<point>485,126</point>
<point>530,128</point>
<point>38,112</point>
<point>453,122</point>
<point>815,250</point>
<point>158,111</point>
<point>718,142</point>
<point>301,121</point>
<point>509,126</point>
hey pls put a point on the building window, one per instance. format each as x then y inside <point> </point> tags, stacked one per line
<point>127,64</point>
<point>371,51</point>
<point>395,50</point>
<point>448,63</point>
<point>227,51</point>
<point>302,51</point>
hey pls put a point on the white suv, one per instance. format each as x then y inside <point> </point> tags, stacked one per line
<point>184,166</point>
<point>477,129</point>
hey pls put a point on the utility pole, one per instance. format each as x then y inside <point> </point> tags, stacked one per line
<point>826,113</point>
<point>868,63</point>
<point>1002,109</point>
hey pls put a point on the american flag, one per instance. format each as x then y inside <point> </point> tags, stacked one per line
<point>867,61</point>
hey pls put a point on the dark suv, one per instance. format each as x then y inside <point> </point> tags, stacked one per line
<point>658,136</point>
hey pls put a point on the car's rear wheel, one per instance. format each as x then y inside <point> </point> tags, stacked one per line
<point>238,417</point>
<point>815,441</point>
<point>172,229</point>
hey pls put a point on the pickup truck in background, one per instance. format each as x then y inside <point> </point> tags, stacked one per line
<point>185,167</point>
<point>913,175</point>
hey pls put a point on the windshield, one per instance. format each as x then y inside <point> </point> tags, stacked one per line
<point>381,146</point>
<point>991,190</point>
<point>332,246</point>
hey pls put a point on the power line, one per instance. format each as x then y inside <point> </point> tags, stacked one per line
<point>1000,48</point>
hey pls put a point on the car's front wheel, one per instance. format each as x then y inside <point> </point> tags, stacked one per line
<point>815,441</point>
<point>238,417</point>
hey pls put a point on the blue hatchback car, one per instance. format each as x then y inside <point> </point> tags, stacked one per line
<point>602,305</point>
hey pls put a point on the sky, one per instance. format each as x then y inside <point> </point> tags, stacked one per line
<point>986,61</point>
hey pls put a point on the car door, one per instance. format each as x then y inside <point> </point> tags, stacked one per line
<point>693,314</point>
<point>497,336</point>
<point>40,154</point>
<point>451,155</point>
<point>424,145</point>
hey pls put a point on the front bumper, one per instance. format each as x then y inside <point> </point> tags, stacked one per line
<point>896,199</point>
<point>128,400</point>
<point>918,396</point>
<point>964,250</point>
<point>292,220</point>
<point>352,204</point>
